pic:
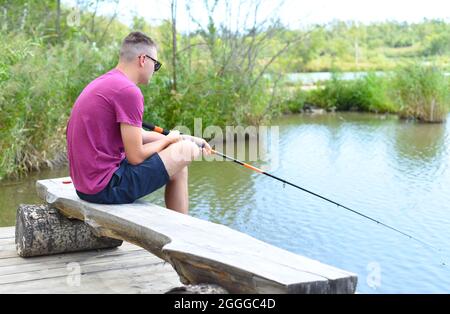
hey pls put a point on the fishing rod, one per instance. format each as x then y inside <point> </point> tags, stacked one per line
<point>158,129</point>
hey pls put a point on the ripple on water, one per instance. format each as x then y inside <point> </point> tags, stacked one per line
<point>392,171</point>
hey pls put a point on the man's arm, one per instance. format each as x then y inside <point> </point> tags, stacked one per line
<point>135,150</point>
<point>151,136</point>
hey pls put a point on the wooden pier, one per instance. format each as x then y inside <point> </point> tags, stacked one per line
<point>126,269</point>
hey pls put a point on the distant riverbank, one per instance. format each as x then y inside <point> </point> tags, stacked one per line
<point>413,92</point>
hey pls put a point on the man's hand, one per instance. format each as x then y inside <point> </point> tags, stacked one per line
<point>206,148</point>
<point>174,136</point>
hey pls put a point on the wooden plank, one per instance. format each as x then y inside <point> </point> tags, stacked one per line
<point>7,254</point>
<point>7,232</point>
<point>67,258</point>
<point>201,251</point>
<point>113,271</point>
<point>85,268</point>
<point>7,248</point>
<point>142,279</point>
<point>7,241</point>
<point>55,264</point>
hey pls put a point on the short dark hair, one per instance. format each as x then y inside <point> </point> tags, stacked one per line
<point>135,44</point>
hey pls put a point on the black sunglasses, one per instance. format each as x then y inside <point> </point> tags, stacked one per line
<point>157,63</point>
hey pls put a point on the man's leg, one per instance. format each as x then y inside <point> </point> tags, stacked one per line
<point>176,158</point>
<point>176,194</point>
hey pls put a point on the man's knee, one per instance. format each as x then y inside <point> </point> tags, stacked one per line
<point>188,150</point>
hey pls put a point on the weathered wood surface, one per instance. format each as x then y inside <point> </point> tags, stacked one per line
<point>5,232</point>
<point>126,269</point>
<point>42,230</point>
<point>201,251</point>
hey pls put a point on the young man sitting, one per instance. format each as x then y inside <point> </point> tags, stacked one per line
<point>112,160</point>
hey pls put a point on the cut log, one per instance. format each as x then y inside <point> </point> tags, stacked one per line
<point>202,252</point>
<point>43,230</point>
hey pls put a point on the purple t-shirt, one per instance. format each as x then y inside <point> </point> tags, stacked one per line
<point>94,143</point>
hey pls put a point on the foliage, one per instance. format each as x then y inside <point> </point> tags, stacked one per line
<point>422,92</point>
<point>226,76</point>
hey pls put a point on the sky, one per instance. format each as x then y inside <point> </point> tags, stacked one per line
<point>293,13</point>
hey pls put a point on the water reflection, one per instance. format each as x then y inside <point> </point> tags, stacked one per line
<point>22,191</point>
<point>419,148</point>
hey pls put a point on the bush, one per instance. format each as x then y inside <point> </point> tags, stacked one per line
<point>38,86</point>
<point>422,92</point>
<point>369,93</point>
<point>297,102</point>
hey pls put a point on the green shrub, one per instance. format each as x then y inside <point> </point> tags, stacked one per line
<point>422,92</point>
<point>369,93</point>
<point>38,86</point>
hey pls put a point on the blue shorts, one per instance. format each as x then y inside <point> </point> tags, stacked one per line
<point>130,182</point>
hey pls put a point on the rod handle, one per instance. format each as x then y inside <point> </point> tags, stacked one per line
<point>158,129</point>
<point>155,128</point>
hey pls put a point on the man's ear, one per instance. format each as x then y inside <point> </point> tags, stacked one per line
<point>141,61</point>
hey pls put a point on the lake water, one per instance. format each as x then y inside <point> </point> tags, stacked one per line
<point>315,77</point>
<point>394,171</point>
